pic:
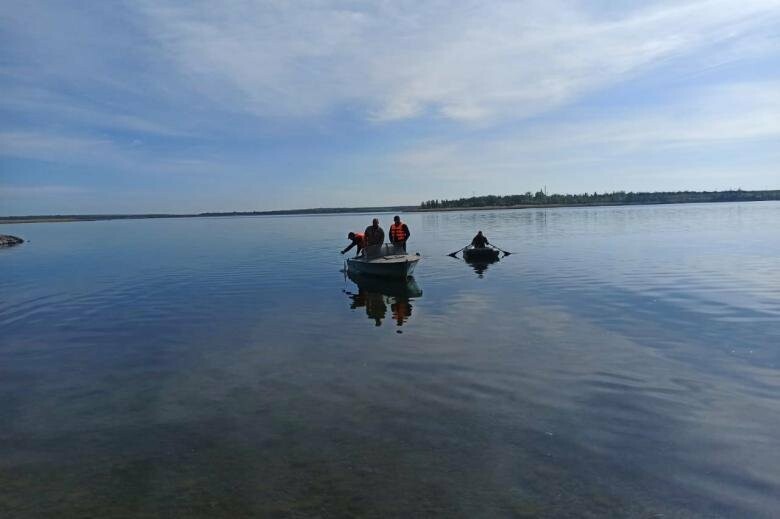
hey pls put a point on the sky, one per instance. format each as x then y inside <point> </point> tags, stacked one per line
<point>172,106</point>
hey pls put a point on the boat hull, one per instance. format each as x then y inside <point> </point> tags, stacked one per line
<point>480,254</point>
<point>387,261</point>
<point>383,267</point>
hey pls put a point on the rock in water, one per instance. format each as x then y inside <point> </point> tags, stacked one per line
<point>7,241</point>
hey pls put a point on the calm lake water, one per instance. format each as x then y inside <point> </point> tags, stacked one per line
<point>623,362</point>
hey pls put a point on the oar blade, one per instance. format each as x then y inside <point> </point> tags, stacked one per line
<point>455,254</point>
<point>506,253</point>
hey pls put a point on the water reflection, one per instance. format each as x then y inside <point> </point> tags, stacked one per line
<point>381,297</point>
<point>480,266</point>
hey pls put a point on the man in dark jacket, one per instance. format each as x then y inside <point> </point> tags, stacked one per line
<point>480,240</point>
<point>399,233</point>
<point>374,234</point>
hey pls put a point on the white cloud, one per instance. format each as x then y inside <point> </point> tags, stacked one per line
<point>49,146</point>
<point>130,156</point>
<point>469,61</point>
<point>47,190</point>
<point>708,120</point>
<point>49,104</point>
<point>493,94</point>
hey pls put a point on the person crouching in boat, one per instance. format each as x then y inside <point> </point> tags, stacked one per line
<point>358,240</point>
<point>479,241</point>
<point>399,233</point>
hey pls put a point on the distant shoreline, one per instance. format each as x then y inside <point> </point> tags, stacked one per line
<point>334,211</point>
<point>594,204</point>
<point>286,212</point>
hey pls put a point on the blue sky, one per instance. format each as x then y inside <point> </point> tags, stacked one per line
<point>202,106</point>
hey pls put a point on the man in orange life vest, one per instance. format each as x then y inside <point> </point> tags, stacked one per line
<point>399,233</point>
<point>358,240</point>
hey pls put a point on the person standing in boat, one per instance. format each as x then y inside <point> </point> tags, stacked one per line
<point>480,241</point>
<point>374,234</point>
<point>358,240</point>
<point>399,233</point>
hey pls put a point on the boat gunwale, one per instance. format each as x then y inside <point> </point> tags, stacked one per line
<point>483,251</point>
<point>378,260</point>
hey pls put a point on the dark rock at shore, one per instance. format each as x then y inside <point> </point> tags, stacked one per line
<point>7,241</point>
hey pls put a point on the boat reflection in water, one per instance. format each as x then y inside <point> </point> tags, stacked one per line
<point>382,297</point>
<point>480,266</point>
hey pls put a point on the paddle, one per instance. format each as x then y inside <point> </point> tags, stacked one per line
<point>500,249</point>
<point>455,254</point>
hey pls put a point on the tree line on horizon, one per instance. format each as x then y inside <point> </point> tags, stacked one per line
<point>615,197</point>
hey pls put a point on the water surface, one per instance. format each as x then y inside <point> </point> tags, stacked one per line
<point>624,361</point>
